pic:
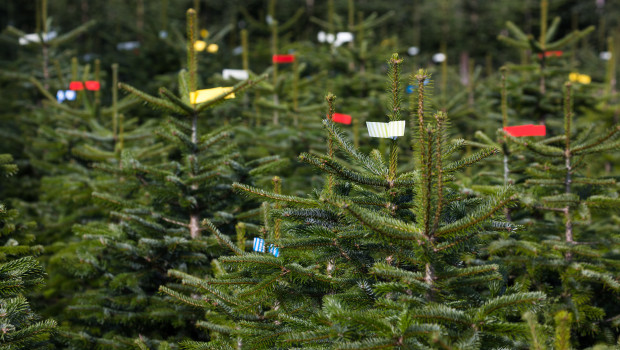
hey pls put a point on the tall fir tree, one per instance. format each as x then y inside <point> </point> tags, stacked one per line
<point>381,257</point>
<point>155,213</point>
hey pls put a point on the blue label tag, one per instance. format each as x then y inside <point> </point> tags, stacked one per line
<point>274,250</point>
<point>259,245</point>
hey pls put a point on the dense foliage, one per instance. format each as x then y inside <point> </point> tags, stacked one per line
<point>149,212</point>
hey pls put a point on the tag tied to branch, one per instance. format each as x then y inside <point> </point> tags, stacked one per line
<point>259,246</point>
<point>342,118</point>
<point>283,58</point>
<point>90,85</point>
<point>201,96</point>
<point>65,95</point>
<point>526,130</point>
<point>390,130</point>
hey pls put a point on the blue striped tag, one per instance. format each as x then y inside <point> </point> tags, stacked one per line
<point>274,250</point>
<point>259,245</point>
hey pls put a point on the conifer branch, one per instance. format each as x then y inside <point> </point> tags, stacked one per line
<point>385,226</point>
<point>611,134</point>
<point>222,238</point>
<point>177,101</point>
<point>537,147</point>
<point>480,215</point>
<point>257,192</point>
<point>473,159</point>
<point>155,102</point>
<point>521,301</point>
<point>333,167</point>
<point>375,167</point>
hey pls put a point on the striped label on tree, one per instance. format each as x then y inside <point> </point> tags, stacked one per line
<point>274,250</point>
<point>389,130</point>
<point>259,245</point>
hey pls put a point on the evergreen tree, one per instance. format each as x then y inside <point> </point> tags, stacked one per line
<point>20,273</point>
<point>156,209</point>
<point>567,252</point>
<point>381,257</point>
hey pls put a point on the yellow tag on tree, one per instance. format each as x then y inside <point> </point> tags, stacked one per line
<point>212,48</point>
<point>205,95</point>
<point>199,45</point>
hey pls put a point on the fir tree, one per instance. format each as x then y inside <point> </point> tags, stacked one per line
<point>156,209</point>
<point>565,253</point>
<point>380,257</point>
<point>20,273</point>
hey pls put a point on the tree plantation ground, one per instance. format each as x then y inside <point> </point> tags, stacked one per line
<point>277,174</point>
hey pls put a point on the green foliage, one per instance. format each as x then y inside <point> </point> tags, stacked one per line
<point>20,273</point>
<point>368,264</point>
<point>156,210</point>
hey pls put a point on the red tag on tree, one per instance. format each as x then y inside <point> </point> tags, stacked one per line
<point>92,85</point>
<point>551,54</point>
<point>283,58</point>
<point>526,130</point>
<point>342,118</point>
<point>76,86</point>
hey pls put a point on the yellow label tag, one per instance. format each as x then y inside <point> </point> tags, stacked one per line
<point>580,78</point>
<point>212,48</point>
<point>205,95</point>
<point>573,76</point>
<point>204,33</point>
<point>199,45</point>
<point>584,79</point>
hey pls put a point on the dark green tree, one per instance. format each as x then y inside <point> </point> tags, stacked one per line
<point>568,250</point>
<point>381,257</point>
<point>20,327</point>
<point>155,211</point>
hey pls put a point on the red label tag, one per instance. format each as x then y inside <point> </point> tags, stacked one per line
<point>551,54</point>
<point>92,85</point>
<point>342,118</point>
<point>283,58</point>
<point>76,86</point>
<point>526,130</point>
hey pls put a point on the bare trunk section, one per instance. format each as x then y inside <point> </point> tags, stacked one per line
<point>194,226</point>
<point>429,278</point>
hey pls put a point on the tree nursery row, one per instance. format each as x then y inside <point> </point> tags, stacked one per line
<point>204,174</point>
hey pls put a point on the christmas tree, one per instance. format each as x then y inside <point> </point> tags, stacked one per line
<point>380,257</point>
<point>566,251</point>
<point>155,213</point>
